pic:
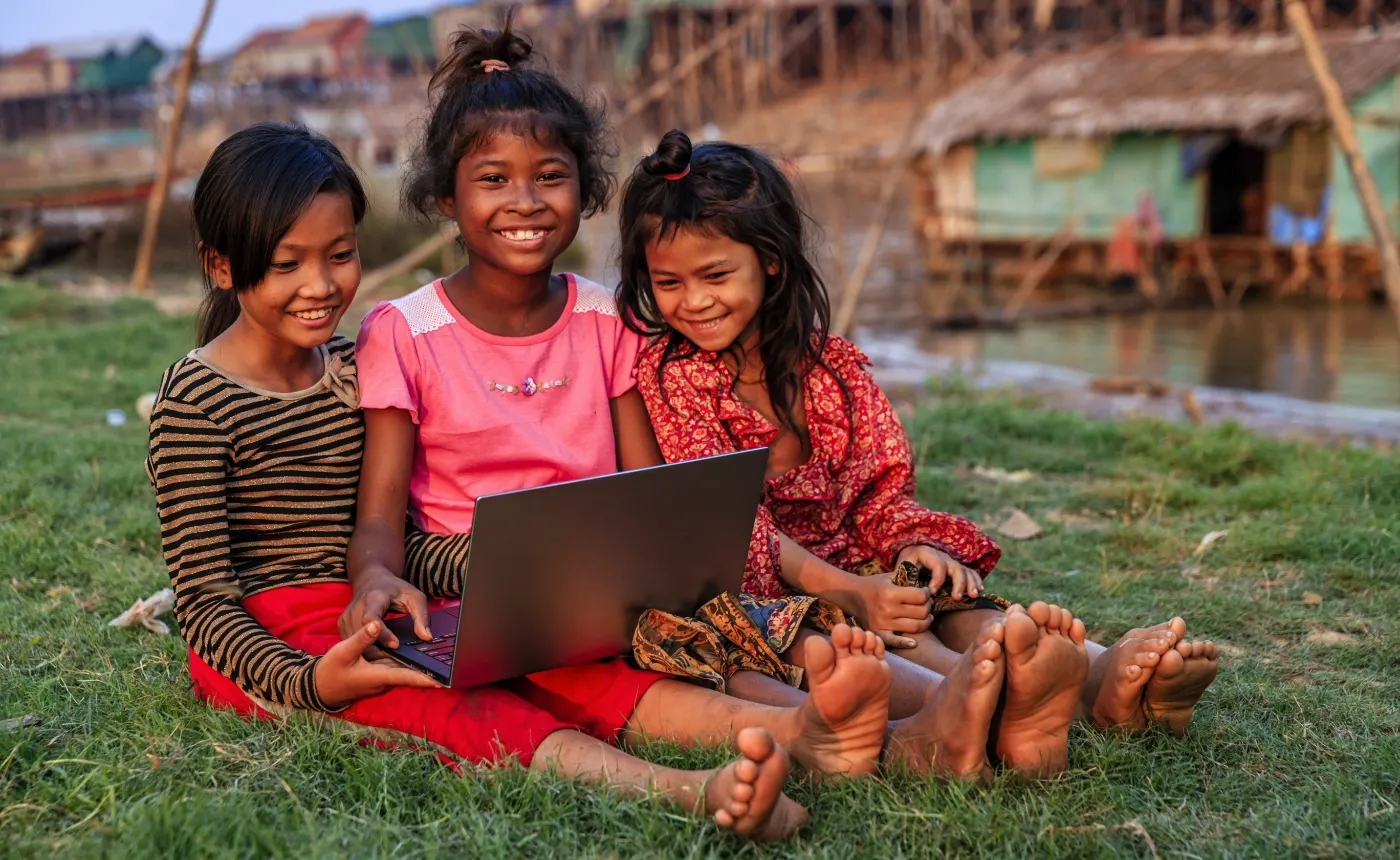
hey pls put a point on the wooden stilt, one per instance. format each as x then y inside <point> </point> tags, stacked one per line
<point>1345,133</point>
<point>828,29</point>
<point>691,116</point>
<point>1037,272</point>
<point>845,314</point>
<point>1174,17</point>
<point>1212,277</point>
<point>141,273</point>
<point>724,60</point>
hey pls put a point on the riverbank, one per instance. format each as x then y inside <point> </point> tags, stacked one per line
<point>901,367</point>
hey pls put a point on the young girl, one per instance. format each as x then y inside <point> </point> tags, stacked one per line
<point>256,457</point>
<point>714,268</point>
<point>505,375</point>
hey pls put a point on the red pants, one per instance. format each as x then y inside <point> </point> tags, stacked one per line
<point>483,724</point>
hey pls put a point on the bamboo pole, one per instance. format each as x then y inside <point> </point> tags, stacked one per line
<point>141,274</point>
<point>373,281</point>
<point>898,168</point>
<point>827,11</point>
<point>1345,133</point>
<point>1038,271</point>
<point>680,72</point>
<point>686,48</point>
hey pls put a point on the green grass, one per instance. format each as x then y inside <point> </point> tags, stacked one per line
<point>1294,752</point>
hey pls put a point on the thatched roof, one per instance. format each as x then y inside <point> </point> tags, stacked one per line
<point>1245,85</point>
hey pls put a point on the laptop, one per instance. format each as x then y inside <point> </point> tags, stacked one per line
<point>559,575</point>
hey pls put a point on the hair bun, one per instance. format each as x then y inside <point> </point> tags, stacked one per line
<point>672,155</point>
<point>471,48</point>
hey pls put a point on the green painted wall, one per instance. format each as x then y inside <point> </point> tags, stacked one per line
<point>1380,147</point>
<point>1015,202</point>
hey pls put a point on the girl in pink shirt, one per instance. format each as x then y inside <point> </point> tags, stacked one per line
<point>504,375</point>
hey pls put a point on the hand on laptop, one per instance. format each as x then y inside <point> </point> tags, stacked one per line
<point>344,676</point>
<point>379,592</point>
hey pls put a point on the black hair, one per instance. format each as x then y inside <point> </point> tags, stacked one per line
<point>738,192</point>
<point>255,186</point>
<point>470,102</point>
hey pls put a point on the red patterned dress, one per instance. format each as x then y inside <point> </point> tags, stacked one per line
<point>852,504</point>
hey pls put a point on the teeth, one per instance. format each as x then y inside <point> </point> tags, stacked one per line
<point>322,313</point>
<point>522,235</point>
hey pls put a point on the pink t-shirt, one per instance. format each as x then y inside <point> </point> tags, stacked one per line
<point>496,414</point>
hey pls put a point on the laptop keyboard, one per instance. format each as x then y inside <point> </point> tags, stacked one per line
<point>439,649</point>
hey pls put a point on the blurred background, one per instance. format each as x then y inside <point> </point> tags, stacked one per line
<point>1142,191</point>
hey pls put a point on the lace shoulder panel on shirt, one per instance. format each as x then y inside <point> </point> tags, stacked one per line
<point>423,310</point>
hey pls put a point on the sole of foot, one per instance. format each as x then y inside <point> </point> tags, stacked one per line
<point>948,736</point>
<point>844,720</point>
<point>746,796</point>
<point>1113,692</point>
<point>1183,675</point>
<point>1045,669</point>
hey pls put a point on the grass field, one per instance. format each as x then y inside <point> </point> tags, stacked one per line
<point>1294,752</point>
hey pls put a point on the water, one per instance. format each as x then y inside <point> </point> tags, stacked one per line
<point>1348,354</point>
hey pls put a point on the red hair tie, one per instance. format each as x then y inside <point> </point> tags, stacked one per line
<point>674,176</point>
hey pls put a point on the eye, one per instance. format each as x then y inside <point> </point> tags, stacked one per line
<point>284,266</point>
<point>553,176</point>
<point>343,256</point>
<point>716,277</point>
<point>492,179</point>
<point>664,283</point>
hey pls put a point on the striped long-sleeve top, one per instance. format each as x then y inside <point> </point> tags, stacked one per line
<point>255,490</point>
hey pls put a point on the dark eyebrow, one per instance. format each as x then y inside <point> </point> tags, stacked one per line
<point>289,246</point>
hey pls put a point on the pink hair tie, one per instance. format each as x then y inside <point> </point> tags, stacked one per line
<point>674,176</point>
<point>490,66</point>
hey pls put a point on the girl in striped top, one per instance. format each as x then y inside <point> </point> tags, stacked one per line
<point>255,454</point>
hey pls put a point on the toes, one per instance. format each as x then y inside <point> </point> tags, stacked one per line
<point>1039,612</point>
<point>745,771</point>
<point>1211,651</point>
<point>1132,672</point>
<point>1021,632</point>
<point>871,643</point>
<point>1178,627</point>
<point>841,636</point>
<point>723,819</point>
<point>983,672</point>
<point>995,631</point>
<point>1077,632</point>
<point>756,744</point>
<point>1146,659</point>
<point>1172,663</point>
<point>739,796</point>
<point>1057,616</point>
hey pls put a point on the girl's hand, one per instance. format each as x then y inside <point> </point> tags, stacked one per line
<point>943,567</point>
<point>378,592</point>
<point>893,612</point>
<point>343,675</point>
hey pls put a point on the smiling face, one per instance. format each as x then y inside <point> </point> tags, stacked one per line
<point>516,203</point>
<point>313,277</point>
<point>707,287</point>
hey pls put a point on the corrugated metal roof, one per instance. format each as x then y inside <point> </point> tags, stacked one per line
<point>1245,85</point>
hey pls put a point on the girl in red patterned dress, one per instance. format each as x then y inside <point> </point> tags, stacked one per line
<point>713,267</point>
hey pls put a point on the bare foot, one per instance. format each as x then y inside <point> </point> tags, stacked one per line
<point>1045,670</point>
<point>948,736</point>
<point>746,795</point>
<point>842,724</point>
<point>1112,696</point>
<point>1182,676</point>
